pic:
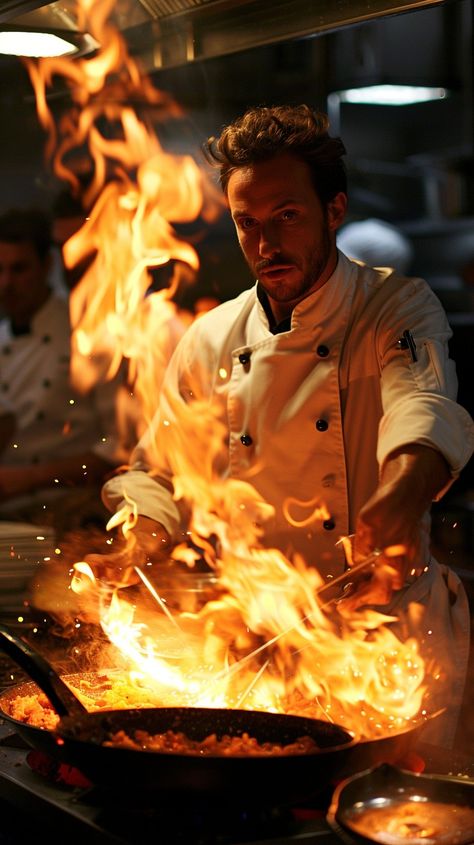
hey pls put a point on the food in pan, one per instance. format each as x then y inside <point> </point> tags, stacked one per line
<point>34,710</point>
<point>176,742</point>
<point>415,822</point>
<point>102,692</point>
<point>114,690</point>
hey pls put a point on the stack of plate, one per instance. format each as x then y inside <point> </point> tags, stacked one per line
<point>23,548</point>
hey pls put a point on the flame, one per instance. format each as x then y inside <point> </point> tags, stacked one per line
<point>319,511</point>
<point>135,195</point>
<point>265,642</point>
<point>266,639</point>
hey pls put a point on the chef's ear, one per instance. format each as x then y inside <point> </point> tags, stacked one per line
<point>336,210</point>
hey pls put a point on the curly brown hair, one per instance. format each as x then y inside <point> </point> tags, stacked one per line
<point>265,132</point>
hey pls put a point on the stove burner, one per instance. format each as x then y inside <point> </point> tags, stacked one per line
<point>56,772</point>
<point>60,813</point>
<point>182,820</point>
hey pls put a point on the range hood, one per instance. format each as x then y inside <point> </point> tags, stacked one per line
<point>170,33</point>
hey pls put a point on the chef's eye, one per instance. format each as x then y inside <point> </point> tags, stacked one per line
<point>246,222</point>
<point>288,215</point>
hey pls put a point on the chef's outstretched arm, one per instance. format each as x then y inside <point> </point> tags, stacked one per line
<point>412,477</point>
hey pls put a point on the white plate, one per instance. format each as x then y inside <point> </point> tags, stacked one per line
<point>24,530</point>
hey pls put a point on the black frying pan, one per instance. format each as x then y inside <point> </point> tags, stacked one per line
<point>79,736</point>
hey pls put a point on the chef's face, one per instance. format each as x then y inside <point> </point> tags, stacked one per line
<point>23,280</point>
<point>287,236</point>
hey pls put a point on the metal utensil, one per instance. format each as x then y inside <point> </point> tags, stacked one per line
<point>389,788</point>
<point>346,584</point>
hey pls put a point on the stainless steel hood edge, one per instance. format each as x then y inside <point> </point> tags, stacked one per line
<point>169,33</point>
<point>219,28</point>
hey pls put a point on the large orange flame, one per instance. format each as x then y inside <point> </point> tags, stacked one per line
<point>136,192</point>
<point>267,639</point>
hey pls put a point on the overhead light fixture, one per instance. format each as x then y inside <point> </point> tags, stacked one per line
<point>390,95</point>
<point>35,44</point>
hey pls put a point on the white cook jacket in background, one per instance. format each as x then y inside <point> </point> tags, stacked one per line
<point>52,420</point>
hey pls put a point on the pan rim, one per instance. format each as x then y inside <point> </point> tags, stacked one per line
<point>319,752</point>
<point>355,741</point>
<point>30,687</point>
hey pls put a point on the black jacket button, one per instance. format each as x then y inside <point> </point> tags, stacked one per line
<point>329,524</point>
<point>244,358</point>
<point>322,425</point>
<point>246,440</point>
<point>322,351</point>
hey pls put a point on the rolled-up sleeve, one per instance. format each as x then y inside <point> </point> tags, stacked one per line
<point>150,498</point>
<point>419,396</point>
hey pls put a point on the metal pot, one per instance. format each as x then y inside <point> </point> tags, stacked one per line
<point>443,800</point>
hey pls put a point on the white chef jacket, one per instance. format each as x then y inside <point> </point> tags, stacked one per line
<point>320,406</point>
<point>52,419</point>
<point>316,410</point>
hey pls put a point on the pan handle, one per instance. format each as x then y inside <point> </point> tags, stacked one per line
<point>39,670</point>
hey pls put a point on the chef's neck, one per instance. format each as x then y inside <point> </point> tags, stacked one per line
<point>279,312</point>
<point>21,319</point>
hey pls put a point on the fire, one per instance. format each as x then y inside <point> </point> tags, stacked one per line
<point>267,639</point>
<point>265,642</point>
<point>136,192</point>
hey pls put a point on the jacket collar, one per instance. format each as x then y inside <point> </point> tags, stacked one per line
<point>322,305</point>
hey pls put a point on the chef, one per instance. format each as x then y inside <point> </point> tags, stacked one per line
<point>60,443</point>
<point>333,381</point>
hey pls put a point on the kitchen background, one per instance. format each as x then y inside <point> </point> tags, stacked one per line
<point>411,166</point>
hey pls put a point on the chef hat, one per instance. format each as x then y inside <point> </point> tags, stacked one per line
<point>376,243</point>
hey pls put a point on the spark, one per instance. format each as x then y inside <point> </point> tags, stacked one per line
<point>252,684</point>
<point>155,595</point>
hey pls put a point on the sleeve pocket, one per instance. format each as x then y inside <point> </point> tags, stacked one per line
<point>433,370</point>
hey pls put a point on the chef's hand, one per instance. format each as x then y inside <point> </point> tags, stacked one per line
<point>391,521</point>
<point>150,543</point>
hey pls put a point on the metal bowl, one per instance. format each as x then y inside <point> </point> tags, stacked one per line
<point>183,589</point>
<point>389,806</point>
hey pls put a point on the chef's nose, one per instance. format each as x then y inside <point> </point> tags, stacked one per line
<point>269,244</point>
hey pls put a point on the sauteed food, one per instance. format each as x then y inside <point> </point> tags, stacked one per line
<point>172,742</point>
<point>111,691</point>
<point>37,710</point>
<point>97,691</point>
